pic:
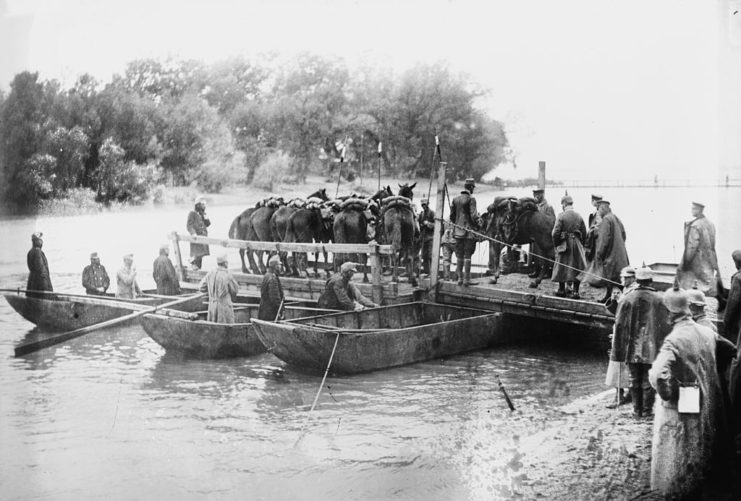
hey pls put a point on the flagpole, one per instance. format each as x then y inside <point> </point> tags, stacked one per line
<point>380,152</point>
<point>342,161</point>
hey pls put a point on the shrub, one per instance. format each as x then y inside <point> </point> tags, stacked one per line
<point>214,175</point>
<point>271,170</point>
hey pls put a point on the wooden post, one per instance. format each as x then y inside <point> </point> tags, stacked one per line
<point>439,215</point>
<point>375,258</point>
<point>541,174</point>
<point>178,257</point>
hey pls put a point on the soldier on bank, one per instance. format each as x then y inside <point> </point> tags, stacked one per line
<point>699,261</point>
<point>568,235</point>
<point>464,215</point>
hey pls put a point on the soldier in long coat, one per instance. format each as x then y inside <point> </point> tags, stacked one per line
<point>198,224</point>
<point>687,445</point>
<point>464,215</point>
<point>610,253</point>
<point>95,278</point>
<point>732,321</point>
<point>38,267</point>
<point>699,260</point>
<point>164,273</point>
<point>547,209</point>
<point>222,289</point>
<point>271,291</point>
<point>569,234</point>
<point>592,228</point>
<point>640,328</point>
<point>426,219</point>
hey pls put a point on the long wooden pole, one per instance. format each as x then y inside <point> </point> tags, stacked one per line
<point>439,217</point>
<point>26,348</point>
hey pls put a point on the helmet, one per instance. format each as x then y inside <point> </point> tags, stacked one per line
<point>696,296</point>
<point>676,300</point>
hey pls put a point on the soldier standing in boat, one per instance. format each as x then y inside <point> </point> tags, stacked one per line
<point>95,278</point>
<point>127,286</point>
<point>569,234</point>
<point>198,225</point>
<point>699,261</point>
<point>464,216</point>
<point>38,267</point>
<point>546,209</point>
<point>271,291</point>
<point>164,273</point>
<point>341,294</point>
<point>610,254</point>
<point>222,290</point>
<point>426,219</point>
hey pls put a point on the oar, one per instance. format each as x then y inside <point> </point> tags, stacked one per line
<point>24,349</point>
<point>51,294</point>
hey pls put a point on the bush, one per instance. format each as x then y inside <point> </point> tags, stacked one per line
<point>273,169</point>
<point>214,175</point>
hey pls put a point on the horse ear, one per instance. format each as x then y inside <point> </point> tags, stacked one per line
<point>400,186</point>
<point>412,186</point>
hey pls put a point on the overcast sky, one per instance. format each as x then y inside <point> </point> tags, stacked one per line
<point>598,89</point>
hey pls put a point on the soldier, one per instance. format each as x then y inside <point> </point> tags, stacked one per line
<point>464,215</point>
<point>447,244</point>
<point>545,208</point>
<point>426,221</point>
<point>610,253</point>
<point>697,308</point>
<point>640,328</point>
<point>198,224</point>
<point>271,291</point>
<point>617,372</point>
<point>222,291</point>
<point>341,294</point>
<point>568,235</point>
<point>126,285</point>
<point>592,228</point>
<point>689,427</point>
<point>699,261</point>
<point>95,278</point>
<point>732,314</point>
<point>38,267</point>
<point>164,273</point>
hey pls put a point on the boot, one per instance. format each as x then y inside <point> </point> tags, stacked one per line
<point>446,270</point>
<point>467,280</point>
<point>575,290</point>
<point>637,396</point>
<point>649,395</point>
<point>459,271</point>
<point>561,292</point>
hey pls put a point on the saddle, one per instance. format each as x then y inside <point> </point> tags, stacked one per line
<point>397,201</point>
<point>358,204</point>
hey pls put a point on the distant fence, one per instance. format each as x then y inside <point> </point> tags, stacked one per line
<point>650,183</point>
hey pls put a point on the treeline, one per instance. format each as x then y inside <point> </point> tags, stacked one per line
<point>184,122</point>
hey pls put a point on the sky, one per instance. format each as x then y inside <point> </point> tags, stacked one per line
<point>600,90</point>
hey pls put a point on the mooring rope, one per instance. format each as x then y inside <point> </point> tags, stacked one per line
<point>487,237</point>
<point>319,392</point>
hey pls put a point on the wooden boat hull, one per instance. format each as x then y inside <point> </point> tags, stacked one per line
<point>197,338</point>
<point>67,313</point>
<point>380,338</point>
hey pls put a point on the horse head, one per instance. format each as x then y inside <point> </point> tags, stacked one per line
<point>321,194</point>
<point>405,190</point>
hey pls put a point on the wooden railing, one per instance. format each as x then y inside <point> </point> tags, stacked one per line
<point>373,250</point>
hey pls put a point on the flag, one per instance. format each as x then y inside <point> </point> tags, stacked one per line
<point>437,147</point>
<point>380,148</point>
<point>342,153</point>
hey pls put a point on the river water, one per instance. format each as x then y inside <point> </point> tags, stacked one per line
<point>109,415</point>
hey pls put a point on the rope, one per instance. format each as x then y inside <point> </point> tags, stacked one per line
<point>321,387</point>
<point>487,237</point>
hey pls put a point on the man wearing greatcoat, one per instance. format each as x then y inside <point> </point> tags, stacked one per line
<point>426,219</point>
<point>699,261</point>
<point>38,267</point>
<point>164,273</point>
<point>95,278</point>
<point>271,291</point>
<point>610,255</point>
<point>464,215</point>
<point>569,234</point>
<point>222,290</point>
<point>198,225</point>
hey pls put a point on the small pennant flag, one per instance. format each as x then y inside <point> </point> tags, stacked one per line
<point>380,148</point>
<point>437,146</point>
<point>342,153</point>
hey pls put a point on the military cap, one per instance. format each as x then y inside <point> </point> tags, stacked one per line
<point>644,273</point>
<point>538,190</point>
<point>165,245</point>
<point>628,271</point>
<point>37,235</point>
<point>603,201</point>
<point>736,256</point>
<point>698,205</point>
<point>275,259</point>
<point>222,258</point>
<point>200,199</point>
<point>128,256</point>
<point>567,200</point>
<point>469,180</point>
<point>93,255</point>
<point>425,201</point>
<point>596,197</point>
<point>348,266</point>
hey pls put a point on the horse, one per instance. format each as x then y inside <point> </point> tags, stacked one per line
<point>402,231</point>
<point>262,229</point>
<point>524,224</point>
<point>351,227</point>
<point>279,222</point>
<point>494,218</point>
<point>242,229</point>
<point>308,224</point>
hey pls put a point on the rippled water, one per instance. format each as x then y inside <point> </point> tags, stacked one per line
<point>109,415</point>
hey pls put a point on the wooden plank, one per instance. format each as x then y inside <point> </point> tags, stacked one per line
<point>178,256</point>
<point>288,247</point>
<point>439,217</point>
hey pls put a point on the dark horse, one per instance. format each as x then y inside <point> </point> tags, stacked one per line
<point>401,231</point>
<point>524,224</point>
<point>351,227</point>
<point>309,224</point>
<point>495,215</point>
